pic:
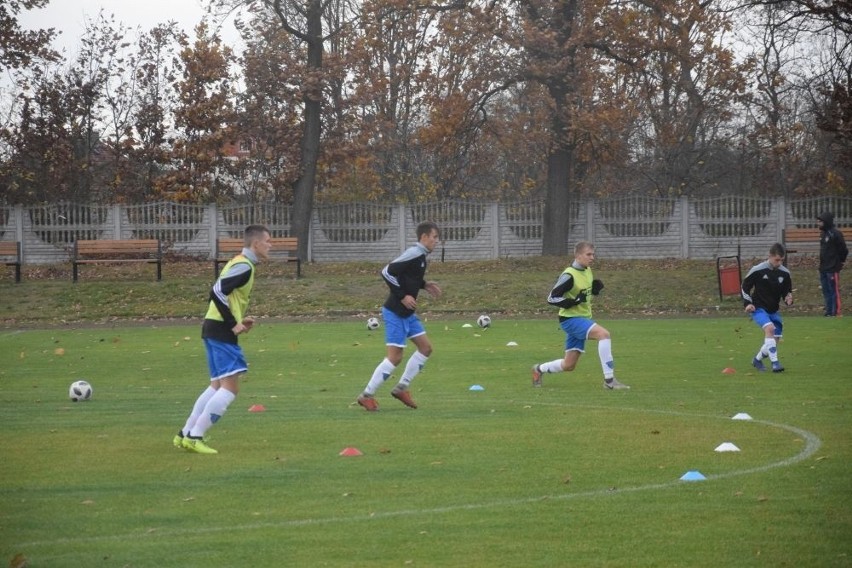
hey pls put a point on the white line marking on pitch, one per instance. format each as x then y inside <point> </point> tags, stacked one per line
<point>11,333</point>
<point>812,444</point>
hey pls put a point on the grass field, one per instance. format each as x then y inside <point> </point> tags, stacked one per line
<point>511,287</point>
<point>565,475</point>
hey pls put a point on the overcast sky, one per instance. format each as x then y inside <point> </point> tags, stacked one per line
<point>69,17</point>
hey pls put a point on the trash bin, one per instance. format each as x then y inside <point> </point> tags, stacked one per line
<point>729,275</point>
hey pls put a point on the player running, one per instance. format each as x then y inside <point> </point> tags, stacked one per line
<point>572,295</point>
<point>763,288</point>
<point>405,278</point>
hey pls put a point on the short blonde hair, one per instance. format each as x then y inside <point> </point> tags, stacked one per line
<point>583,245</point>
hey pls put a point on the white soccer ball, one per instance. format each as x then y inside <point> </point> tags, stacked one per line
<point>483,321</point>
<point>372,323</point>
<point>80,391</point>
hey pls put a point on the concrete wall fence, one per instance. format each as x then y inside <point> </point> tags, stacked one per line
<point>620,227</point>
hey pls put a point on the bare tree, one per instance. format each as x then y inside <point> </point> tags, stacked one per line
<point>689,84</point>
<point>802,104</point>
<point>304,20</point>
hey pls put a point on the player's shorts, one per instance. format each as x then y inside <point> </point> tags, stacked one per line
<point>763,318</point>
<point>576,331</point>
<point>398,329</point>
<point>224,359</point>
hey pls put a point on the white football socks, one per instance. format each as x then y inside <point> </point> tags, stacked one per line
<point>213,411</point>
<point>197,409</point>
<point>770,349</point>
<point>554,366</point>
<point>380,375</point>
<point>415,364</point>
<point>605,354</point>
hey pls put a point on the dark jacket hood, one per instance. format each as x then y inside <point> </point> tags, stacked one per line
<point>827,219</point>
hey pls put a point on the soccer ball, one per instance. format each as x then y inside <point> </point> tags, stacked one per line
<point>483,321</point>
<point>80,390</point>
<point>372,323</point>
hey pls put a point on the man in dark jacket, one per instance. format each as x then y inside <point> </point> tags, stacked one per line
<point>405,277</point>
<point>765,286</point>
<point>832,255</point>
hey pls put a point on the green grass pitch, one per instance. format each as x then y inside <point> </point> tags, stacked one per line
<point>565,475</point>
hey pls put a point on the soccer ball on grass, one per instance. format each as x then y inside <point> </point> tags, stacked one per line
<point>483,321</point>
<point>372,323</point>
<point>80,391</point>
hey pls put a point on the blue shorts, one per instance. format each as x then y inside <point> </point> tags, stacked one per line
<point>576,330</point>
<point>398,329</point>
<point>224,359</point>
<point>763,318</point>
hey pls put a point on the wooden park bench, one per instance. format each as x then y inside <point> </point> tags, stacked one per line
<point>111,251</point>
<point>10,251</point>
<point>807,239</point>
<point>284,249</point>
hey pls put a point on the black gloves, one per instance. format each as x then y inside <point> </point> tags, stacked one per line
<point>582,297</point>
<point>597,286</point>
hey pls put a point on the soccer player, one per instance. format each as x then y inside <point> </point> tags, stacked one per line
<point>832,254</point>
<point>572,294</point>
<point>405,277</point>
<point>224,322</point>
<point>765,285</point>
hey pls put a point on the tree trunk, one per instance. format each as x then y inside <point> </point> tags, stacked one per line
<point>303,188</point>
<point>557,222</point>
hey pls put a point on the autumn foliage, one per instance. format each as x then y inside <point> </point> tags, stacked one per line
<point>398,100</point>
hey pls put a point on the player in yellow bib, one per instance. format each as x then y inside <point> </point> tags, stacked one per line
<point>225,320</point>
<point>572,294</point>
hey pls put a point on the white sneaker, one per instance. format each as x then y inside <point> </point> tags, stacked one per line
<point>614,385</point>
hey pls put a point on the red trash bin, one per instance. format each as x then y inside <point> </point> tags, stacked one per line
<point>729,275</point>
